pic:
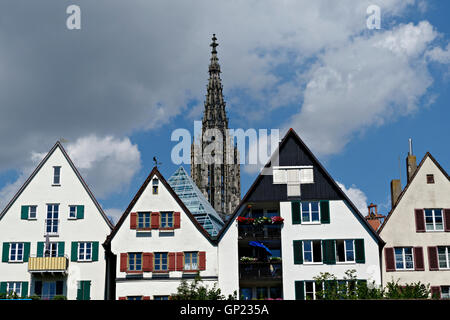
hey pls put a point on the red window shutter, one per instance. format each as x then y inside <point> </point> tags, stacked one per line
<point>176,220</point>
<point>389,259</point>
<point>180,261</point>
<point>420,221</point>
<point>145,298</point>
<point>147,262</point>
<point>133,220</point>
<point>418,259</point>
<point>436,292</point>
<point>155,220</point>
<point>171,261</point>
<point>202,260</point>
<point>123,262</point>
<point>122,298</point>
<point>433,258</point>
<point>447,220</point>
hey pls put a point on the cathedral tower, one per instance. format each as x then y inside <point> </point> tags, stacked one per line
<point>216,172</point>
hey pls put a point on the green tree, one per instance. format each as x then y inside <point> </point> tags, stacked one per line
<point>195,291</point>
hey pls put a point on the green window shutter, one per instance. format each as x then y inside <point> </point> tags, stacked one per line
<point>74,253</point>
<point>95,251</point>
<point>61,249</point>
<point>24,289</point>
<point>328,251</point>
<point>5,255</point>
<point>80,212</point>
<point>325,211</point>
<point>295,207</point>
<point>40,249</point>
<point>26,251</point>
<point>298,252</point>
<point>3,287</point>
<point>24,213</point>
<point>359,251</point>
<point>299,290</point>
<point>80,290</point>
<point>86,290</point>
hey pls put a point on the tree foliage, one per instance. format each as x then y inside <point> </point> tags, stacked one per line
<point>196,291</point>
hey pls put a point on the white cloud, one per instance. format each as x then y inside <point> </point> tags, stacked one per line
<point>107,164</point>
<point>113,214</point>
<point>356,195</point>
<point>439,55</point>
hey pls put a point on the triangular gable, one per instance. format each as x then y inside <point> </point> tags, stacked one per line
<point>77,173</point>
<point>292,151</point>
<point>427,155</point>
<point>156,173</point>
<point>196,202</point>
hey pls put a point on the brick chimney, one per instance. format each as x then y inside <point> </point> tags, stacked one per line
<point>411,164</point>
<point>396,189</point>
<point>373,218</point>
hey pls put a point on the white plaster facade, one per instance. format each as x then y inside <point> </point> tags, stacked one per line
<point>40,191</point>
<point>399,229</point>
<point>344,224</point>
<point>186,238</point>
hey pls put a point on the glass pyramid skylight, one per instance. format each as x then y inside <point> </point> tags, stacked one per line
<point>195,201</point>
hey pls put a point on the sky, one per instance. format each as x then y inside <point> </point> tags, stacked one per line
<point>116,89</point>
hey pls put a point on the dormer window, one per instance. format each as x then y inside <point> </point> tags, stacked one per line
<point>155,183</point>
<point>57,176</point>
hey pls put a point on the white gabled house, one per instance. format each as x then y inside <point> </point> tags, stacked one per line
<point>156,244</point>
<point>417,229</point>
<point>51,234</point>
<point>293,223</point>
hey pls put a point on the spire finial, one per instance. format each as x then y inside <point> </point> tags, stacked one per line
<point>214,44</point>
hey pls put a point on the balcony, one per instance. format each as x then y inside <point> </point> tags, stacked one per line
<point>259,232</point>
<point>260,271</point>
<point>51,265</point>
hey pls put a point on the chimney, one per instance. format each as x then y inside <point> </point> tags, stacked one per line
<point>411,164</point>
<point>396,189</point>
<point>373,218</point>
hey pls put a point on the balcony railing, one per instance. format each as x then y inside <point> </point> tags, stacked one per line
<point>259,231</point>
<point>48,264</point>
<point>260,271</point>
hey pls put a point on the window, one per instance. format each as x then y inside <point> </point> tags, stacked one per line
<point>16,252</point>
<point>14,287</point>
<point>433,220</point>
<point>32,212</point>
<point>51,223</point>
<point>166,219</point>
<point>310,212</point>
<point>345,250</point>
<point>52,250</point>
<point>135,262</point>
<point>134,298</point>
<point>246,294</point>
<point>143,220</point>
<point>161,297</point>
<point>161,261</point>
<point>48,290</point>
<point>445,292</point>
<point>56,175</point>
<point>190,261</point>
<point>430,178</point>
<point>72,212</point>
<point>404,258</point>
<point>84,251</point>
<point>262,293</point>
<point>444,257</point>
<point>312,251</point>
<point>155,183</point>
<point>257,213</point>
<point>311,290</point>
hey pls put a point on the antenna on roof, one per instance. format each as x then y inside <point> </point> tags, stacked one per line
<point>410,147</point>
<point>156,161</point>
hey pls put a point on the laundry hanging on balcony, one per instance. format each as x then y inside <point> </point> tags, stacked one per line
<point>259,244</point>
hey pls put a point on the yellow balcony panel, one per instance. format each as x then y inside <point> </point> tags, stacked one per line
<point>47,264</point>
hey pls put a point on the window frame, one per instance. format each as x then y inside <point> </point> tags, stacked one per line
<point>433,216</point>
<point>75,212</point>
<point>447,257</point>
<point>169,216</point>
<point>345,251</point>
<point>16,250</point>
<point>310,212</point>
<point>146,217</point>
<point>190,255</point>
<point>312,252</point>
<point>83,248</point>
<point>404,259</point>
<point>15,285</point>
<point>56,175</point>
<point>314,292</point>
<point>135,264</point>
<point>52,220</point>
<point>35,212</point>
<point>445,292</point>
<point>158,258</point>
<point>160,297</point>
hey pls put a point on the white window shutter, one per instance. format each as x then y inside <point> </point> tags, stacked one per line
<point>306,176</point>
<point>279,176</point>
